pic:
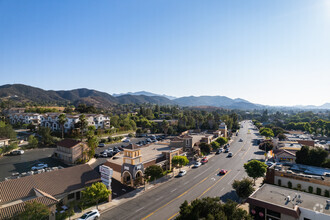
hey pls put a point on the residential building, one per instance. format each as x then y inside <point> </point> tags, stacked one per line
<point>50,188</point>
<point>51,120</point>
<point>279,203</point>
<point>69,151</point>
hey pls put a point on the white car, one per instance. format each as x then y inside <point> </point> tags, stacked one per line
<point>94,214</point>
<point>17,152</point>
<point>197,164</point>
<point>39,166</point>
<point>182,173</point>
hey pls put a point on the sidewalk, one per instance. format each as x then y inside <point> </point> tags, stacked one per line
<point>126,197</point>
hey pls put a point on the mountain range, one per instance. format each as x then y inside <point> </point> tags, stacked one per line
<point>24,93</point>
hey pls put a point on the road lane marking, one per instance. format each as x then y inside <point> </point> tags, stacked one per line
<point>222,189</point>
<point>186,183</point>
<point>159,198</point>
<point>201,173</point>
<point>173,190</point>
<point>233,178</point>
<point>182,194</point>
<point>173,216</point>
<point>213,185</point>
<point>139,209</point>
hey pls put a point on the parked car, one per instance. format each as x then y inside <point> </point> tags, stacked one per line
<point>223,172</point>
<point>101,145</point>
<point>241,140</point>
<point>104,154</point>
<point>269,163</point>
<point>204,160</point>
<point>225,147</point>
<point>219,151</point>
<point>96,155</point>
<point>17,152</point>
<point>227,150</point>
<point>127,140</point>
<point>91,215</point>
<point>230,154</point>
<point>182,173</point>
<point>39,166</point>
<point>197,164</point>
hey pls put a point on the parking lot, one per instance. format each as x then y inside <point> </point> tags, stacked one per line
<point>23,163</point>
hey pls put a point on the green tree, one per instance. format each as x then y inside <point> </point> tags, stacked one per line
<point>165,125</point>
<point>244,188</point>
<point>96,192</point>
<point>266,146</point>
<point>205,148</point>
<point>33,141</point>
<point>7,131</point>
<point>35,210</point>
<point>267,132</point>
<point>179,161</point>
<point>211,208</point>
<point>302,155</point>
<point>281,136</point>
<point>215,145</point>
<point>46,137</point>
<point>255,169</point>
<point>153,172</point>
<point>314,157</point>
<point>62,120</point>
<point>222,140</point>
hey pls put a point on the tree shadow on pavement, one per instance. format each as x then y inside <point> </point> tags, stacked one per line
<point>230,195</point>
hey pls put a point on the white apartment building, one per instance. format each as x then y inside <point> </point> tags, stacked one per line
<point>51,120</point>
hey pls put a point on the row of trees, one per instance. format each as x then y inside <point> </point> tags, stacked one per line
<point>207,148</point>
<point>313,157</point>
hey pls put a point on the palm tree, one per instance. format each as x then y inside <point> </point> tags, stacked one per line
<point>62,120</point>
<point>83,124</point>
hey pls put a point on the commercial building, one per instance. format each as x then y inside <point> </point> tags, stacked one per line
<point>279,203</point>
<point>302,177</point>
<point>50,188</point>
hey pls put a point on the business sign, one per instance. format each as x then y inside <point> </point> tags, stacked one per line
<point>106,170</point>
<point>106,175</point>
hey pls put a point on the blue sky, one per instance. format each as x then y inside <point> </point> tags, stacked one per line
<point>268,52</point>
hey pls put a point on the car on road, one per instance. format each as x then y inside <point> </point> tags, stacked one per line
<point>197,164</point>
<point>227,150</point>
<point>17,152</point>
<point>230,154</point>
<point>223,172</point>
<point>219,151</point>
<point>182,173</point>
<point>39,166</point>
<point>101,145</point>
<point>126,140</point>
<point>91,215</point>
<point>204,160</point>
<point>241,140</point>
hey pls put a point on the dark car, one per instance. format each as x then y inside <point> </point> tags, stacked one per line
<point>227,150</point>
<point>96,155</point>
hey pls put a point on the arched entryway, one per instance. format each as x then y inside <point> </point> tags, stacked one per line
<point>127,178</point>
<point>138,178</point>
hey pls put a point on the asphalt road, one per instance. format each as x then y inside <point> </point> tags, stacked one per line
<point>163,202</point>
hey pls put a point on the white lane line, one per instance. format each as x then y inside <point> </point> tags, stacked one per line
<point>201,173</point>
<point>173,190</point>
<point>186,183</point>
<point>139,209</point>
<point>159,198</point>
<point>222,189</point>
<point>233,178</point>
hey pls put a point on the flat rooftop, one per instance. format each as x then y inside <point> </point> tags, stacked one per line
<point>277,195</point>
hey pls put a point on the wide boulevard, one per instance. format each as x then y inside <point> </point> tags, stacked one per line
<point>164,202</point>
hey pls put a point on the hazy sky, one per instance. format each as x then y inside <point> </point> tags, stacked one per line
<point>268,52</point>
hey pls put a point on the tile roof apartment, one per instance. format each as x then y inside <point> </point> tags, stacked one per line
<point>277,203</point>
<point>49,188</point>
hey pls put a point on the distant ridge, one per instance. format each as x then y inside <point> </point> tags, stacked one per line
<point>144,93</point>
<point>24,93</point>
